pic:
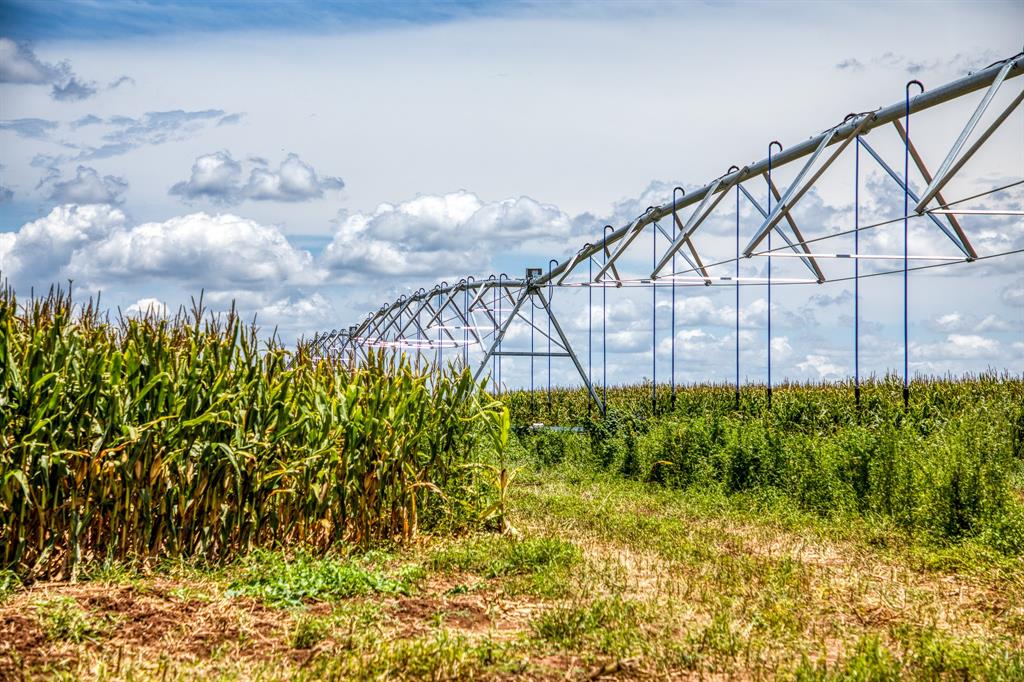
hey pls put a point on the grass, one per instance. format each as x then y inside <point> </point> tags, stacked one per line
<point>540,565</point>
<point>652,583</point>
<point>232,512</point>
<point>63,620</point>
<point>296,580</point>
<point>948,470</point>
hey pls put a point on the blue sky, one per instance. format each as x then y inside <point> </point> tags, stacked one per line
<point>116,19</point>
<point>312,161</point>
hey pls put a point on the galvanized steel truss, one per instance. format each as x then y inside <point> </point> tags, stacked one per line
<point>480,313</point>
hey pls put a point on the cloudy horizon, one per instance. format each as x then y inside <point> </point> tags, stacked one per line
<point>314,166</point>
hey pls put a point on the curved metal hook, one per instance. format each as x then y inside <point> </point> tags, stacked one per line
<point>681,191</point>
<point>914,82</point>
<point>771,144</point>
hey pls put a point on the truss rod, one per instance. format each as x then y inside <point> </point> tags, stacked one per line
<point>884,116</point>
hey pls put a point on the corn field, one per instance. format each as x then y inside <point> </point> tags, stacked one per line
<point>142,438</point>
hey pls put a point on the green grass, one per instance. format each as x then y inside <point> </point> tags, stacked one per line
<point>608,626</point>
<point>292,581</point>
<point>947,472</point>
<point>538,565</point>
<point>63,620</point>
<point>308,631</point>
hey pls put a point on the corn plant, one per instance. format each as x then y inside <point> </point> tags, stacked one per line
<point>144,437</point>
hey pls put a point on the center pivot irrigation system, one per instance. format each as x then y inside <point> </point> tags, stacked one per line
<point>444,322</point>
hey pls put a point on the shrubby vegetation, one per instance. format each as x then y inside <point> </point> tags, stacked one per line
<point>950,468</point>
<point>140,438</point>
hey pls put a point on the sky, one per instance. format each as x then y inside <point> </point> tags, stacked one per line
<point>312,161</point>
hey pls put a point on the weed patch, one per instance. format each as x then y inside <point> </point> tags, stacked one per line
<point>280,581</point>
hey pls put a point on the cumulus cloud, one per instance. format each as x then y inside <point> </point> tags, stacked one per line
<point>961,322</point>
<point>434,236</point>
<point>218,251</point>
<point>88,187</point>
<point>956,346</point>
<point>821,365</point>
<point>19,64</point>
<point>38,253</point>
<point>214,176</point>
<point>294,180</point>
<point>703,310</point>
<point>146,307</point>
<point>217,177</point>
<point>94,243</point>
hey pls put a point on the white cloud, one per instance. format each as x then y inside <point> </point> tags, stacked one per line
<point>93,243</point>
<point>294,180</point>
<point>437,236</point>
<point>217,177</point>
<point>822,365</point>
<point>216,251</point>
<point>40,250</point>
<point>145,307</point>
<point>959,322</point>
<point>214,176</point>
<point>956,346</point>
<point>87,187</point>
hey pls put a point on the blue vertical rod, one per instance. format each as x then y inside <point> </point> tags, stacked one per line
<point>533,402</point>
<point>675,228</point>
<point>604,325</point>
<point>856,272</point>
<point>465,327</point>
<point>737,287</point>
<point>494,325</point>
<point>770,145</point>
<point>440,324</point>
<point>551,297</point>
<point>654,322</point>
<point>590,326</point>
<point>906,241</point>
<point>500,278</point>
